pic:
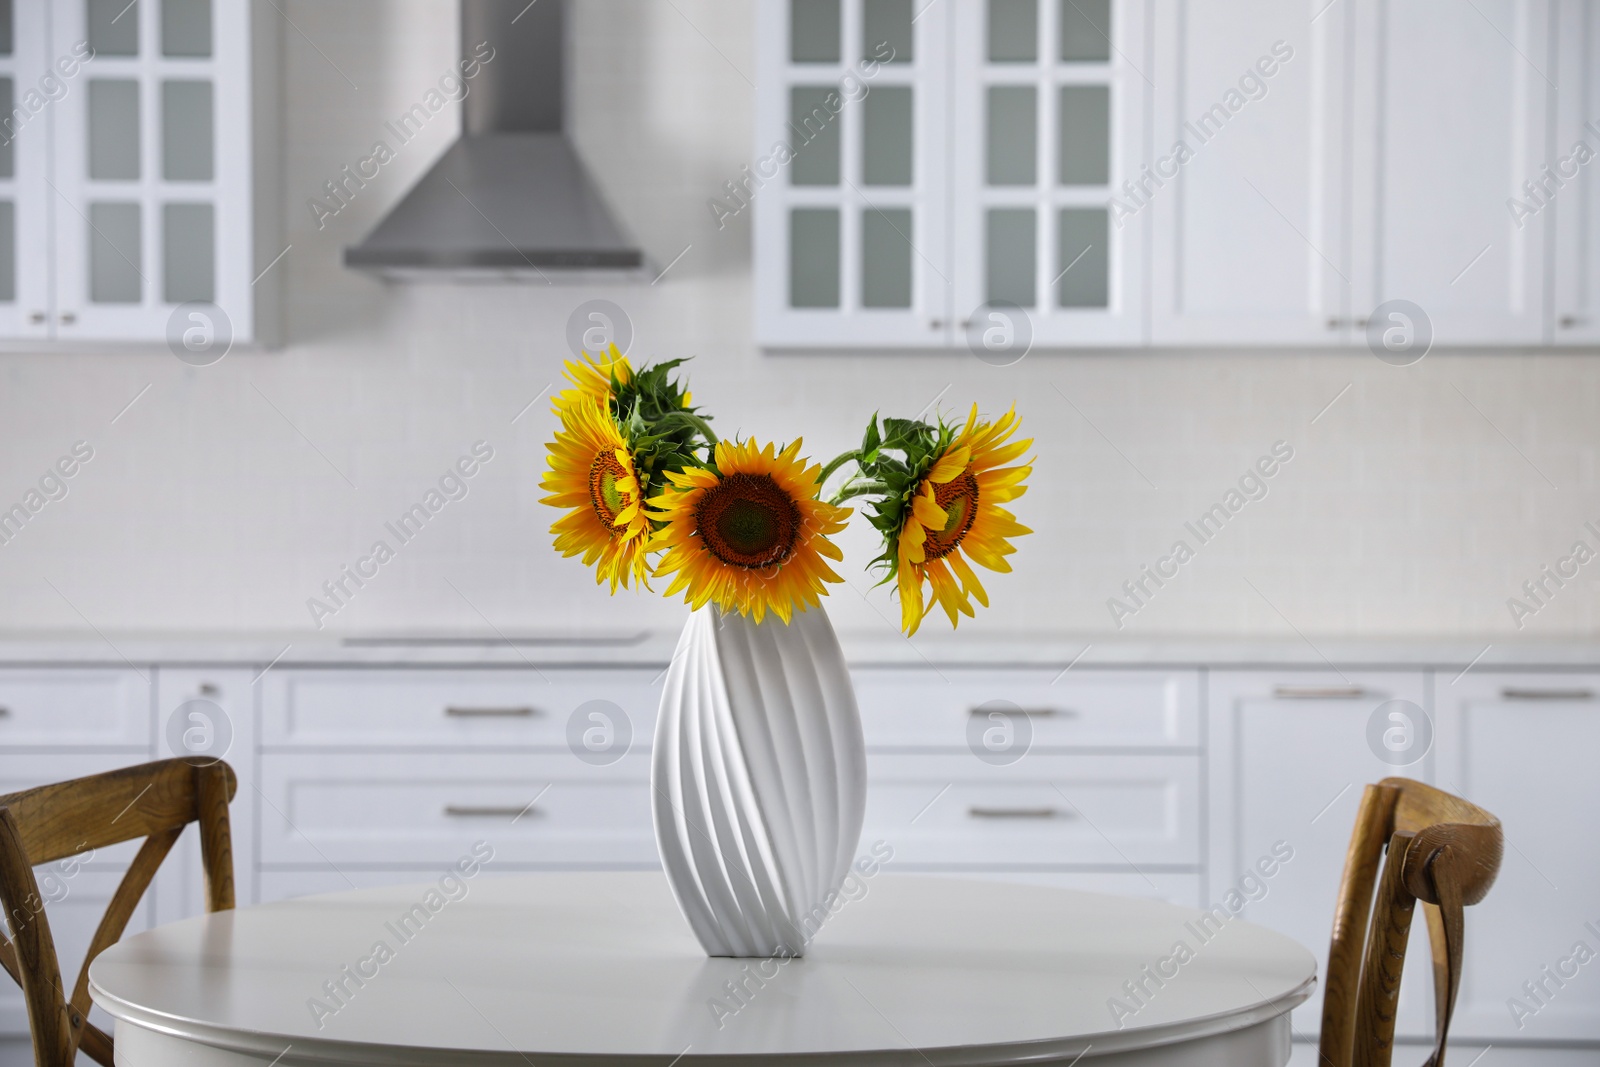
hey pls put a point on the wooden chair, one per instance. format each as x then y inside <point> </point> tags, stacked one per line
<point>1443,852</point>
<point>154,801</point>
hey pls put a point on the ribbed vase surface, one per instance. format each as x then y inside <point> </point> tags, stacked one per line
<point>758,779</point>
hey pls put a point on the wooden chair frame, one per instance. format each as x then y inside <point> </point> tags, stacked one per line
<point>1442,851</point>
<point>37,826</point>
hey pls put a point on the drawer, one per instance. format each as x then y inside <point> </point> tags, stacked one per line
<point>76,708</point>
<point>427,809</point>
<point>950,709</point>
<point>460,708</point>
<point>1043,811</point>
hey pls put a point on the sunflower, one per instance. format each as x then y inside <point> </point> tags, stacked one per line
<point>955,514</point>
<point>749,535</point>
<point>592,473</point>
<point>591,380</point>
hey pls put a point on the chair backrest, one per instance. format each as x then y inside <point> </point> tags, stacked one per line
<point>1442,851</point>
<point>154,801</point>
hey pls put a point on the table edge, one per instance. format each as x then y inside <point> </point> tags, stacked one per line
<point>316,1051</point>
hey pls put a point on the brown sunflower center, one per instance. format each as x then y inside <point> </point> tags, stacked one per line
<point>608,500</point>
<point>747,520</point>
<point>958,499</point>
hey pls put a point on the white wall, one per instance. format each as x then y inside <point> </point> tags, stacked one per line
<point>1404,511</point>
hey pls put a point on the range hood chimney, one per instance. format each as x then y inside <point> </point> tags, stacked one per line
<point>510,200</point>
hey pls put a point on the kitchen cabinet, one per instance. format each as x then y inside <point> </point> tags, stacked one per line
<point>1450,116</point>
<point>1160,779</point>
<point>1522,746</point>
<point>950,174</point>
<point>136,201</point>
<point>1290,753</point>
<point>1245,191</point>
<point>1304,174</point>
<point>848,184</point>
<point>1566,197</point>
<point>1048,99</point>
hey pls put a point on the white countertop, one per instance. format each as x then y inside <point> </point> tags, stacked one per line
<point>974,646</point>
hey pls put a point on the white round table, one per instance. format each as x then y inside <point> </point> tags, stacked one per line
<point>551,968</point>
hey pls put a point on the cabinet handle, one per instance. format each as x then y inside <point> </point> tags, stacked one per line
<point>1569,321</point>
<point>490,713</point>
<point>1019,813</point>
<point>1032,713</point>
<point>5,712</point>
<point>68,318</point>
<point>1514,693</point>
<point>37,317</point>
<point>1334,324</point>
<point>479,811</point>
<point>1318,692</point>
<point>935,324</point>
<point>210,689</point>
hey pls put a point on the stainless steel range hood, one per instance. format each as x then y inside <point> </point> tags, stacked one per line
<point>510,200</point>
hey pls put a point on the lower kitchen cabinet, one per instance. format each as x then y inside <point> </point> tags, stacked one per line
<point>1165,782</point>
<point>1525,746</point>
<point>1289,754</point>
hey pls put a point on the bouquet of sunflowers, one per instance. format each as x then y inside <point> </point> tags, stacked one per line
<point>641,475</point>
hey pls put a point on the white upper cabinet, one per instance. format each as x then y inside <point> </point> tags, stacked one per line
<point>1246,173</point>
<point>131,179</point>
<point>1179,172</point>
<point>926,173</point>
<point>1451,109</point>
<point>24,170</point>
<point>848,181</point>
<point>1048,101</point>
<point>1567,194</point>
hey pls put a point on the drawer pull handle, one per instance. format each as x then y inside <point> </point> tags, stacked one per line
<point>483,811</point>
<point>490,713</point>
<point>1546,694</point>
<point>1018,813</point>
<point>1032,713</point>
<point>1319,692</point>
<point>5,712</point>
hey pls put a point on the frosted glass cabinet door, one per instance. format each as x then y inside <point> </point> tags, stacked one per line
<point>1245,190</point>
<point>1450,115</point>
<point>24,162</point>
<point>1566,200</point>
<point>152,167</point>
<point>847,180</point>
<point>1048,105</point>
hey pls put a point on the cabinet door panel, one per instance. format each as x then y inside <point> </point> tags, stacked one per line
<point>1443,154</point>
<point>1245,192</point>
<point>1567,198</point>
<point>1522,746</point>
<point>152,177</point>
<point>848,184</point>
<point>1290,757</point>
<point>26,70</point>
<point>1048,108</point>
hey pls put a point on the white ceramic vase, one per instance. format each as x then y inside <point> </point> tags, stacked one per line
<point>758,779</point>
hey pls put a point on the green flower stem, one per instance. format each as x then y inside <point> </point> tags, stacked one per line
<point>835,463</point>
<point>854,489</point>
<point>702,425</point>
